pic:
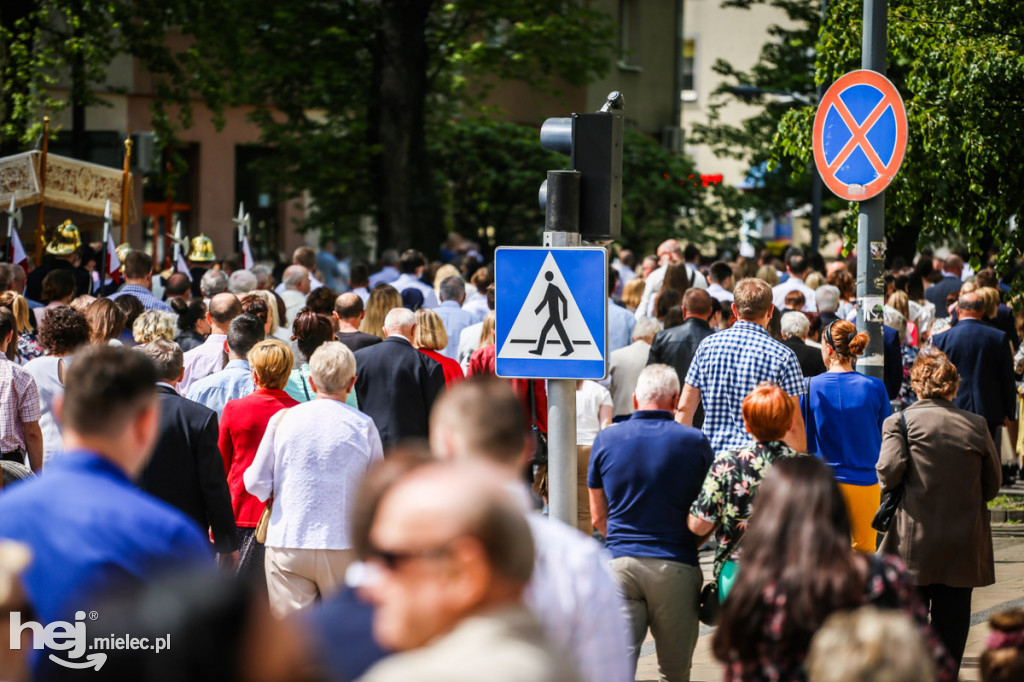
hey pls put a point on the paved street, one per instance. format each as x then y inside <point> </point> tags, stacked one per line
<point>1007,592</point>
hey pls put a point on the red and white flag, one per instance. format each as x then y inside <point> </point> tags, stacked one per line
<point>247,260</point>
<point>15,251</point>
<point>113,261</point>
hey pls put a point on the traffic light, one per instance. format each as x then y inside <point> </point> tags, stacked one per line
<point>594,145</point>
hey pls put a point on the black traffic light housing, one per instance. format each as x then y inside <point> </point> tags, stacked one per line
<point>594,145</point>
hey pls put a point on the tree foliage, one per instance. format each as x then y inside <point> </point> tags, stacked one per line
<point>960,70</point>
<point>785,65</point>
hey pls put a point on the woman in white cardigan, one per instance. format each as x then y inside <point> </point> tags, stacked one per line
<point>311,461</point>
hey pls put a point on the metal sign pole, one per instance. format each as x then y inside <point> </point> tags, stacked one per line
<point>871,220</point>
<point>561,228</point>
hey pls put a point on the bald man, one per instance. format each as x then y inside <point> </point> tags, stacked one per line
<point>450,556</point>
<point>349,313</point>
<point>211,356</point>
<point>396,384</point>
<point>669,251</point>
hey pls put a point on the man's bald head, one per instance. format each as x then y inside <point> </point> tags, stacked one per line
<point>348,306</point>
<point>449,543</point>
<point>296,277</point>
<point>224,308</point>
<point>954,265</point>
<point>669,250</point>
<point>479,419</point>
<point>970,305</point>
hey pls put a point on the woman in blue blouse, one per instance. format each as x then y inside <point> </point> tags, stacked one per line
<point>844,411</point>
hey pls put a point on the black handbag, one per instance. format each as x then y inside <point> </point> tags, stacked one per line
<point>708,610</point>
<point>540,454</point>
<point>891,500</point>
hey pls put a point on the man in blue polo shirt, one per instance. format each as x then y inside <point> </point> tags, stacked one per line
<point>644,474</point>
<point>91,531</point>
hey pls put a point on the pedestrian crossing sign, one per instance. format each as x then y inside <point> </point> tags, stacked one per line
<point>551,309</point>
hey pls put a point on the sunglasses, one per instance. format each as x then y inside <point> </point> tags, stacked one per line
<point>828,335</point>
<point>393,560</point>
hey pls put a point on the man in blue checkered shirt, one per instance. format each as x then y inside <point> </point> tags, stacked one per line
<point>729,364</point>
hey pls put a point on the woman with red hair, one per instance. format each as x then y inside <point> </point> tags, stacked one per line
<point>726,501</point>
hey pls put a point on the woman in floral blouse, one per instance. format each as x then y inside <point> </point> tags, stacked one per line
<point>797,569</point>
<point>725,502</point>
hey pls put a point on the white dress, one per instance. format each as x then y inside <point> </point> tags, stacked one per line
<point>45,372</point>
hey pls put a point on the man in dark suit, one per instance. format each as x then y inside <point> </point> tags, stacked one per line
<point>676,346</point>
<point>396,384</point>
<point>983,358</point>
<point>795,326</point>
<point>186,469</point>
<point>937,293</point>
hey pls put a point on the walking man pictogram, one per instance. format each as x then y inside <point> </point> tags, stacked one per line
<point>551,299</point>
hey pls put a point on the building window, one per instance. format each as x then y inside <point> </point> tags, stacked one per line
<point>689,93</point>
<point>629,34</point>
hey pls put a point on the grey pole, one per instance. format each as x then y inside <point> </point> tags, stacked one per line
<point>816,182</point>
<point>561,228</point>
<point>871,220</point>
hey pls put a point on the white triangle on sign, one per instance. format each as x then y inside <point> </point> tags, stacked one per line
<point>549,310</point>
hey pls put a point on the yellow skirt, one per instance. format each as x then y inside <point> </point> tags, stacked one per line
<point>861,504</point>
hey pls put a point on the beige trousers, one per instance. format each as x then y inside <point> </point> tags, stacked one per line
<point>582,494</point>
<point>664,595</point>
<point>296,577</point>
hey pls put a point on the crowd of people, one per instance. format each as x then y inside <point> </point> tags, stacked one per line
<point>334,436</point>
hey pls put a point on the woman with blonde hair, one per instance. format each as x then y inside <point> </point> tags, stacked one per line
<point>27,346</point>
<point>430,338</point>
<point>899,301</point>
<point>843,412</point>
<point>482,360</point>
<point>383,299</point>
<point>632,292</point>
<point>154,324</point>
<point>444,272</point>
<point>106,322</point>
<point>242,426</point>
<point>768,274</point>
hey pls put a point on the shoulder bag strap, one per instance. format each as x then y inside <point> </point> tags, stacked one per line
<point>302,380</point>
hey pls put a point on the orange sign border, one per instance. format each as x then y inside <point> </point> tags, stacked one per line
<point>890,95</point>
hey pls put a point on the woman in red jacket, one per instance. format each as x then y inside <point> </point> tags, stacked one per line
<point>431,338</point>
<point>242,426</point>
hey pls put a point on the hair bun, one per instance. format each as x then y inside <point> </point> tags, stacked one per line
<point>858,343</point>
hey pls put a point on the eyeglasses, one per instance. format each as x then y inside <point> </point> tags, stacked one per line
<point>393,560</point>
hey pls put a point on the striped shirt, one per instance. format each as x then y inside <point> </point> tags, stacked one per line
<point>19,404</point>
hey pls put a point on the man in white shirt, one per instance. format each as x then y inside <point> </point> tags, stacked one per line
<point>669,251</point>
<point>211,356</point>
<point>453,317</point>
<point>571,591</point>
<point>721,278</point>
<point>797,267</point>
<point>411,266</point>
<point>469,339</point>
<point>306,257</point>
<point>295,281</point>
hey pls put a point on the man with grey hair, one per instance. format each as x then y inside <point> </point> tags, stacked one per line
<point>309,544</point>
<point>397,384</point>
<point>213,282</point>
<point>453,317</point>
<point>625,365</point>
<point>795,326</point>
<point>264,277</point>
<point>186,469</point>
<point>295,281</point>
<point>827,299</point>
<point>242,282</point>
<point>644,474</point>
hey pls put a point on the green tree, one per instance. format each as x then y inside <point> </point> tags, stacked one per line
<point>785,65</point>
<point>489,174</point>
<point>960,70</point>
